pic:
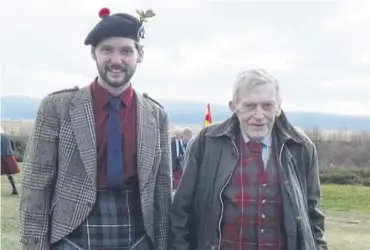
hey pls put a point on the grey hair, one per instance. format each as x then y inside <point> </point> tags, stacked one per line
<point>251,78</point>
<point>187,131</point>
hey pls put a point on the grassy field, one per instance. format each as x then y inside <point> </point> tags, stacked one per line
<point>347,209</point>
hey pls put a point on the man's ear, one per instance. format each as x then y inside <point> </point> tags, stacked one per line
<point>140,50</point>
<point>140,58</point>
<point>231,106</point>
<point>278,112</point>
<point>93,56</point>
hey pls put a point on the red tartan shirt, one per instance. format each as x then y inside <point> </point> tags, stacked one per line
<point>127,113</point>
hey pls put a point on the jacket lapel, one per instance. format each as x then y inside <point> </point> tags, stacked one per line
<point>146,140</point>
<point>83,122</point>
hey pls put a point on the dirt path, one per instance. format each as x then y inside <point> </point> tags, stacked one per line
<point>348,231</point>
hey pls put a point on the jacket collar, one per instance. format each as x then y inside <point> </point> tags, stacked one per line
<point>282,128</point>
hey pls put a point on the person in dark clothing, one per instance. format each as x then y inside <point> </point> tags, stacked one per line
<point>177,153</point>
<point>9,165</point>
<point>252,181</point>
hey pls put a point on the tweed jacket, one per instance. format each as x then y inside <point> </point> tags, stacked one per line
<point>59,176</point>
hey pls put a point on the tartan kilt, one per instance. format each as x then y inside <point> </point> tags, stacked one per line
<point>9,165</point>
<point>65,244</point>
<point>114,223</point>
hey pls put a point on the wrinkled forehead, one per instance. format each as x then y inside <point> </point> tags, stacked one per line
<point>261,93</point>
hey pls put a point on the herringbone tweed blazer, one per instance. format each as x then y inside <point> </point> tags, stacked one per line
<point>59,171</point>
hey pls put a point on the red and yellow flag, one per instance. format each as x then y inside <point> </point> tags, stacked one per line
<point>208,116</point>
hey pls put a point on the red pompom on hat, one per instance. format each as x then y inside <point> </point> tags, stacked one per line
<point>104,12</point>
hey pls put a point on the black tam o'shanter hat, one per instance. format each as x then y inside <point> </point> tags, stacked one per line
<point>118,25</point>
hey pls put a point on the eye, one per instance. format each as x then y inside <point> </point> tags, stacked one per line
<point>106,49</point>
<point>249,105</point>
<point>268,106</point>
<point>127,51</point>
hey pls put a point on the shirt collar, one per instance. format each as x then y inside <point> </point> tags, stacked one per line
<point>266,141</point>
<point>102,96</point>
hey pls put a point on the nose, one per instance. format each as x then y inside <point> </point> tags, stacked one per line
<point>259,112</point>
<point>116,57</point>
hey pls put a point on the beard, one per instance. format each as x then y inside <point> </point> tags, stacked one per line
<point>116,76</point>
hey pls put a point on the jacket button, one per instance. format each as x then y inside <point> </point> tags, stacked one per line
<point>213,247</point>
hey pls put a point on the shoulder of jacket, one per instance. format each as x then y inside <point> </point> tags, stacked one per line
<point>302,134</point>
<point>69,90</point>
<point>309,145</point>
<point>145,95</point>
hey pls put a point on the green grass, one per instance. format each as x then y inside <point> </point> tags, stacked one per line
<point>9,215</point>
<point>347,209</point>
<point>343,198</point>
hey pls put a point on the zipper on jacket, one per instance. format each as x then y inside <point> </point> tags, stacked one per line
<point>222,203</point>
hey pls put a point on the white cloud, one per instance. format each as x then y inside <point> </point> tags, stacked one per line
<point>366,58</point>
<point>358,13</point>
<point>318,50</point>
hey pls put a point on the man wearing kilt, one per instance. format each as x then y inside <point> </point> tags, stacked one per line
<point>97,171</point>
<point>8,163</point>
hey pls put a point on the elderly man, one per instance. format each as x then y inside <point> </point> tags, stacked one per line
<point>177,147</point>
<point>97,170</point>
<point>187,134</point>
<point>251,182</point>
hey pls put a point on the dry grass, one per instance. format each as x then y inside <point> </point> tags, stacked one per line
<point>347,209</point>
<point>347,237</point>
<point>17,127</point>
<point>24,127</point>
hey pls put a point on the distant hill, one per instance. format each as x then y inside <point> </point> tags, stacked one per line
<point>186,112</point>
